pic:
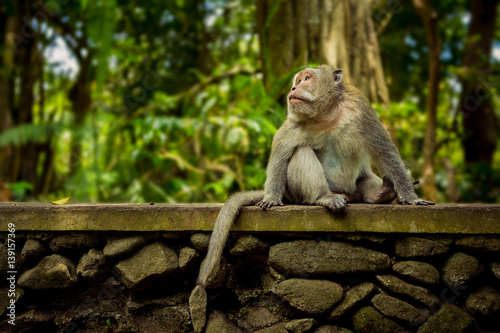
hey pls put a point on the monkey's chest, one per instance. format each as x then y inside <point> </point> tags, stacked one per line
<point>333,162</point>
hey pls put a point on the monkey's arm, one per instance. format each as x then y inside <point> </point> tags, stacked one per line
<point>281,152</point>
<point>389,162</point>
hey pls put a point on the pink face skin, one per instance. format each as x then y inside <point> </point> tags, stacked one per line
<point>300,87</point>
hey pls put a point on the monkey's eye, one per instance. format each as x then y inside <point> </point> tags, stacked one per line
<point>307,78</point>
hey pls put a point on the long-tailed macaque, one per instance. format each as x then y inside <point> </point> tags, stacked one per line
<point>321,155</point>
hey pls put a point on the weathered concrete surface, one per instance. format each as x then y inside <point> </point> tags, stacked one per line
<point>443,218</point>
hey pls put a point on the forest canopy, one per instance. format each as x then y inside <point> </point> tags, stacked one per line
<point>178,101</point>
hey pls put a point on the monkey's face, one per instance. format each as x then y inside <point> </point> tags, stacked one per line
<point>301,97</point>
<point>313,91</point>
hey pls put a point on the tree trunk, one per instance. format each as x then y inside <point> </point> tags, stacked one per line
<point>335,32</point>
<point>479,120</point>
<point>80,93</point>
<point>6,69</point>
<point>80,96</point>
<point>22,40</point>
<point>430,19</point>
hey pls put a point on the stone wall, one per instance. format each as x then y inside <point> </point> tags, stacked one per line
<point>96,280</point>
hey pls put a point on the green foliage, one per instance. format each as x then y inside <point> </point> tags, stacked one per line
<point>404,39</point>
<point>20,190</point>
<point>100,30</point>
<point>27,133</point>
<point>217,144</point>
<point>179,112</point>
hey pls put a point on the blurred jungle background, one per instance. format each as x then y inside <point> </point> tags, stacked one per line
<point>178,100</point>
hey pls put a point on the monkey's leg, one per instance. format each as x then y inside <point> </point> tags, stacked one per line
<point>371,189</point>
<point>306,181</point>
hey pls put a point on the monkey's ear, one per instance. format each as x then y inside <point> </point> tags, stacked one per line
<point>337,75</point>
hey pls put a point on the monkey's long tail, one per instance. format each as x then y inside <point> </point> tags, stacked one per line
<point>227,216</point>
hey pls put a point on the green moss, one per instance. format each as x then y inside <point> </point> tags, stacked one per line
<point>446,219</point>
<point>449,319</point>
<point>368,320</point>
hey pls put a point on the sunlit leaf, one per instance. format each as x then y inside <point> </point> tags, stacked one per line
<point>61,201</point>
<point>208,105</point>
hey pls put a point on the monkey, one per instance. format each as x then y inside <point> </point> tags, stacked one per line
<point>321,155</point>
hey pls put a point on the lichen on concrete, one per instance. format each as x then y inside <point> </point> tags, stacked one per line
<point>145,285</point>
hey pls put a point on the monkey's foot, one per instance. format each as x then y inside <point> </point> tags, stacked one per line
<point>421,202</point>
<point>265,204</point>
<point>334,201</point>
<point>198,308</point>
<point>386,193</point>
<point>415,201</point>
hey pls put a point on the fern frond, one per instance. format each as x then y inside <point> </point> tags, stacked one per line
<point>26,133</point>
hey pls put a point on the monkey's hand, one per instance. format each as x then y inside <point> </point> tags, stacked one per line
<point>415,201</point>
<point>334,201</point>
<point>268,203</point>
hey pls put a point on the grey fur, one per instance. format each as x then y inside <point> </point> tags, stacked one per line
<point>223,223</point>
<point>322,155</point>
<point>341,129</point>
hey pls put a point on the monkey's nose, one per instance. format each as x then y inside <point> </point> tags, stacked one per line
<point>293,88</point>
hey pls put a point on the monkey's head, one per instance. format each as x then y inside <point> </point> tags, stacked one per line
<point>313,91</point>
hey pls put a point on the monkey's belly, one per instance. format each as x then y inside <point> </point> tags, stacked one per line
<point>340,181</point>
<point>341,173</point>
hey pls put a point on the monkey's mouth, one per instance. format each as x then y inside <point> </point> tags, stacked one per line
<point>294,99</point>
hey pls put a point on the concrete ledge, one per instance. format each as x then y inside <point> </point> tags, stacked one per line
<point>443,218</point>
